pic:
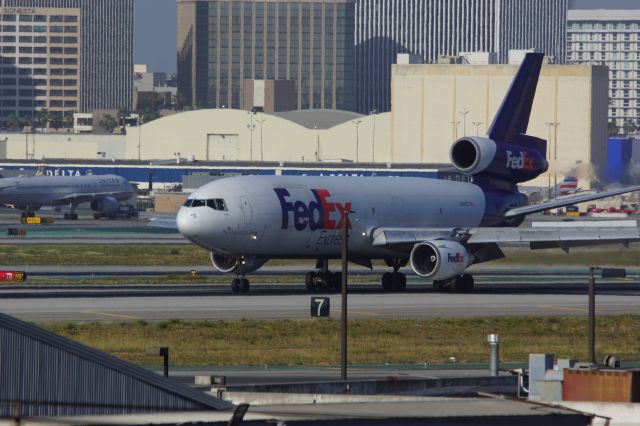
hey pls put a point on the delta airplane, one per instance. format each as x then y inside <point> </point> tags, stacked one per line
<point>29,193</point>
<point>438,227</point>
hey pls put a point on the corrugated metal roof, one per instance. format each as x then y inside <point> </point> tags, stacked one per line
<point>43,374</point>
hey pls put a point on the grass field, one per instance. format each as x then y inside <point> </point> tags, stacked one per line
<point>316,342</point>
<point>189,255</point>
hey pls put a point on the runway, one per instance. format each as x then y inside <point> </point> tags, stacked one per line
<point>495,295</point>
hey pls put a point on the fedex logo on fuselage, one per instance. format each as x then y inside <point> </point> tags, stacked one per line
<point>457,258</point>
<point>519,161</point>
<point>318,214</point>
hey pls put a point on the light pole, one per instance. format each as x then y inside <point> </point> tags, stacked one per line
<point>140,138</point>
<point>455,126</point>
<point>251,126</point>
<point>551,124</point>
<point>464,113</point>
<point>373,137</point>
<point>357,123</point>
<point>315,128</point>
<point>261,120</point>
<point>477,124</point>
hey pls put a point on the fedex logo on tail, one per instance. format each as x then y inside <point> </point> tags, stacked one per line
<point>317,214</point>
<point>519,161</point>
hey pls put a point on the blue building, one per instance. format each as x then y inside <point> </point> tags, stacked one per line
<point>619,153</point>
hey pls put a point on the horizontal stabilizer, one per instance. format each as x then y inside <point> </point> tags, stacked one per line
<point>567,201</point>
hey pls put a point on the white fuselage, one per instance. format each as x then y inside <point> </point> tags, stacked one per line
<point>36,191</point>
<point>293,216</point>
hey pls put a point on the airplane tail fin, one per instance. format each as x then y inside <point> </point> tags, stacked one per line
<point>507,154</point>
<point>512,119</point>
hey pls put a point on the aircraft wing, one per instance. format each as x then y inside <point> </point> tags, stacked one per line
<point>562,237</point>
<point>158,222</point>
<point>82,197</point>
<point>567,201</point>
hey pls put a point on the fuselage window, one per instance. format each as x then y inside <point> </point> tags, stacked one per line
<point>217,204</point>
<point>221,204</point>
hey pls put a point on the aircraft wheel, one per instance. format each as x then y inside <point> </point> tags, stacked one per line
<point>439,285</point>
<point>462,283</point>
<point>323,281</point>
<point>336,281</point>
<point>235,285</point>
<point>467,283</point>
<point>399,281</point>
<point>387,281</point>
<point>244,285</point>
<point>310,280</point>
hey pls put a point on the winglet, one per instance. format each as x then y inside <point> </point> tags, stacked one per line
<point>512,118</point>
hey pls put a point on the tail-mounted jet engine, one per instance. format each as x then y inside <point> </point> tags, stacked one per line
<point>440,259</point>
<point>105,205</point>
<point>512,163</point>
<point>237,265</point>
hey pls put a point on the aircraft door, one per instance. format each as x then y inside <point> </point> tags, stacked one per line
<point>246,210</point>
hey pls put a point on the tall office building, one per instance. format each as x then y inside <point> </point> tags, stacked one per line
<point>65,55</point>
<point>430,28</point>
<point>612,38</point>
<point>222,42</point>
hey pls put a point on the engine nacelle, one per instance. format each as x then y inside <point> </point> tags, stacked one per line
<point>106,205</point>
<point>512,163</point>
<point>236,265</point>
<point>440,259</point>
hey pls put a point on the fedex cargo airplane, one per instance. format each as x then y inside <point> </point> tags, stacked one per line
<point>438,227</point>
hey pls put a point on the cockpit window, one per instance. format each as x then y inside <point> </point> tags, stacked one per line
<point>188,202</point>
<point>217,204</point>
<point>198,203</point>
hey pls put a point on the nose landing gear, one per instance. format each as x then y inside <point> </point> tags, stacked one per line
<point>394,281</point>
<point>240,285</point>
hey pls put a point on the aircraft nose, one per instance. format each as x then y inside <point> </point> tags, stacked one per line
<point>187,222</point>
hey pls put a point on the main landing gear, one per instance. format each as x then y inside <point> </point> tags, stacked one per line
<point>72,215</point>
<point>461,284</point>
<point>394,281</point>
<point>240,284</point>
<point>323,279</point>
<point>27,214</point>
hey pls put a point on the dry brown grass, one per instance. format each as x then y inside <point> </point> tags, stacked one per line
<point>371,341</point>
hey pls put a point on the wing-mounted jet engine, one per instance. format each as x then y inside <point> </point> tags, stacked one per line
<point>106,205</point>
<point>237,265</point>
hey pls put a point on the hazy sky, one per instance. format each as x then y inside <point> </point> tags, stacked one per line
<point>155,29</point>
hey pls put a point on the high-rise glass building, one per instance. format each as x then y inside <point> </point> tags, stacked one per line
<point>65,55</point>
<point>612,38</point>
<point>223,42</point>
<point>430,28</point>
